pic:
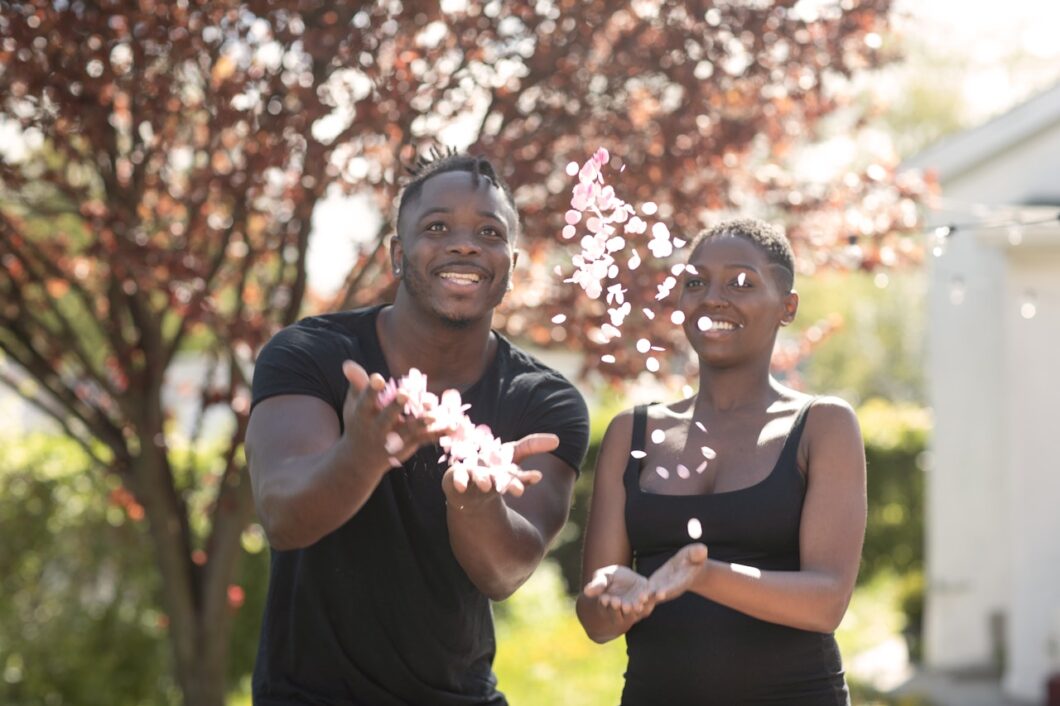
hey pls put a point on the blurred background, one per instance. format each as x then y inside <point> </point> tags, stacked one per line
<point>180,180</point>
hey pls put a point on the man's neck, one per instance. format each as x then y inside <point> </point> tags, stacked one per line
<point>450,356</point>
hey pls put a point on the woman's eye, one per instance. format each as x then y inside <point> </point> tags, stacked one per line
<point>693,282</point>
<point>491,232</point>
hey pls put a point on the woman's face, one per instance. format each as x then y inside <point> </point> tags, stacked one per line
<point>733,284</point>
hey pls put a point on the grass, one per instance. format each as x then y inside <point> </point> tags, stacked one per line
<point>544,656</point>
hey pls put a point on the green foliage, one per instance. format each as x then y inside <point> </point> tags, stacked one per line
<point>878,350</point>
<point>543,654</point>
<point>80,615</point>
<point>78,622</point>
<point>895,442</point>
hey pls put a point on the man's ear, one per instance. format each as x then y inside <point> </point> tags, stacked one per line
<point>791,308</point>
<point>511,273</point>
<point>396,253</point>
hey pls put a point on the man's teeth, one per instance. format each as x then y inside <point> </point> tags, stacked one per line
<point>462,277</point>
<point>723,326</point>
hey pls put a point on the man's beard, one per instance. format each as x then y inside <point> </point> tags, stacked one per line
<point>419,290</point>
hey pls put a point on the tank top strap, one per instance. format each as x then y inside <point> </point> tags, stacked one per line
<point>791,446</point>
<point>636,443</point>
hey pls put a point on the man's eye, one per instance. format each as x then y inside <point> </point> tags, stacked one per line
<point>436,227</point>
<point>692,282</point>
<point>741,280</point>
<point>491,232</point>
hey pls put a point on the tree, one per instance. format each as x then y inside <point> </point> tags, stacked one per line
<point>169,157</point>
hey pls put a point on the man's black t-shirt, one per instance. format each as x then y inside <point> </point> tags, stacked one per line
<point>379,612</point>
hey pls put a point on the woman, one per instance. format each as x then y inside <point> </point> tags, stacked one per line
<point>778,506</point>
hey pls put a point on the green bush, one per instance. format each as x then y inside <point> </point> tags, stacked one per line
<point>895,444</point>
<point>80,614</point>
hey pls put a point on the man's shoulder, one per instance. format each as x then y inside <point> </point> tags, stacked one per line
<point>527,373</point>
<point>523,363</point>
<point>327,330</point>
<point>355,322</point>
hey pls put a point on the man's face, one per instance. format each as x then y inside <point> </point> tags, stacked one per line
<point>454,247</point>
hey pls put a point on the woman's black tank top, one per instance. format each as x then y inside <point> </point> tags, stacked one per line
<point>693,651</point>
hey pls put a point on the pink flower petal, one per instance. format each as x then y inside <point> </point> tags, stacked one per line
<point>658,436</point>
<point>649,208</point>
<point>662,472</point>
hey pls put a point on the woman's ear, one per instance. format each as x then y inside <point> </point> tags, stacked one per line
<point>791,308</point>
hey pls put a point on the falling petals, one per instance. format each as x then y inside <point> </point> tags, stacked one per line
<point>638,454</point>
<point>473,452</point>
<point>658,436</point>
<point>682,471</point>
<point>663,473</point>
<point>709,453</point>
<point>695,529</point>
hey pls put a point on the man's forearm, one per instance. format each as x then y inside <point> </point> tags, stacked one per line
<point>497,547</point>
<point>303,498</point>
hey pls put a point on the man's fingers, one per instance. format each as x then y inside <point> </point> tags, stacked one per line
<point>483,480</point>
<point>390,414</point>
<point>356,375</point>
<point>528,478</point>
<point>532,444</point>
<point>460,478</point>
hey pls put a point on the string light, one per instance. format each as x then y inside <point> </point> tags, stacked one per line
<point>957,291</point>
<point>941,235</point>
<point>1028,307</point>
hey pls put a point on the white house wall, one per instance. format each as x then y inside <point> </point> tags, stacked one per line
<point>967,539</point>
<point>1033,421</point>
<point>993,523</point>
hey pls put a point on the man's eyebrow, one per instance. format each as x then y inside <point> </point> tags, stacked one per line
<point>441,209</point>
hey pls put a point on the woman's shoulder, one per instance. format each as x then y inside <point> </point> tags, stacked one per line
<point>830,422</point>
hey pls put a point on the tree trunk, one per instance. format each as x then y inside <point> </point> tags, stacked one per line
<point>195,597</point>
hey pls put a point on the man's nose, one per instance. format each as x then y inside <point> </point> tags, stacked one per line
<point>463,241</point>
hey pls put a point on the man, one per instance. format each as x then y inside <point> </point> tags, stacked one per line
<point>384,561</point>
